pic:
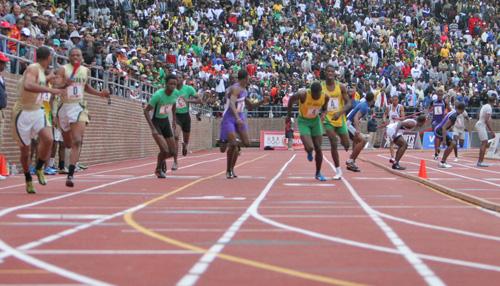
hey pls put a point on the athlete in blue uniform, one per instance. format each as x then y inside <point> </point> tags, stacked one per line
<point>442,135</point>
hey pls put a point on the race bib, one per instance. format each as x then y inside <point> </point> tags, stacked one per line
<point>333,104</point>
<point>240,106</point>
<point>181,102</point>
<point>75,91</point>
<point>313,111</point>
<point>165,109</point>
<point>45,96</point>
<point>438,110</point>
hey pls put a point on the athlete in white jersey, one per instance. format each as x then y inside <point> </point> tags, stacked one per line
<point>394,112</point>
<point>72,114</point>
<point>395,132</point>
<point>28,116</point>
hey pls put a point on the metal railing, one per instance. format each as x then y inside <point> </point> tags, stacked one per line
<point>118,83</point>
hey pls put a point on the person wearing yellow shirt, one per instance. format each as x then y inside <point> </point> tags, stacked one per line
<point>335,123</point>
<point>445,52</point>
<point>312,102</point>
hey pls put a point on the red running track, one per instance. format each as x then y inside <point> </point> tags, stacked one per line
<point>274,225</point>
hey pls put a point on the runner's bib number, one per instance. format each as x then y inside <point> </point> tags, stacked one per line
<point>45,96</point>
<point>181,102</point>
<point>75,91</point>
<point>313,111</point>
<point>165,109</point>
<point>240,106</point>
<point>438,110</point>
<point>333,104</point>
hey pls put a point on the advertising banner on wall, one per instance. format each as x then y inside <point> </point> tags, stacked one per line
<point>277,140</point>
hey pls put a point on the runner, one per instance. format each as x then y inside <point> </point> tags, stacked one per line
<point>163,102</point>
<point>72,114</point>
<point>483,127</point>
<point>394,112</point>
<point>234,122</point>
<point>311,102</point>
<point>353,125</point>
<point>339,104</point>
<point>47,105</point>
<point>459,132</point>
<point>186,95</point>
<point>438,109</point>
<point>442,135</point>
<point>395,133</point>
<point>29,119</point>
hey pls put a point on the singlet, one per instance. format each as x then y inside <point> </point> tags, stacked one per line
<point>394,113</point>
<point>335,103</point>
<point>451,116</point>
<point>74,92</point>
<point>240,101</point>
<point>311,107</point>
<point>28,100</point>
<point>438,111</point>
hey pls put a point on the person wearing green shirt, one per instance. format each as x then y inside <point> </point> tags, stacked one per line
<point>186,94</point>
<point>162,103</point>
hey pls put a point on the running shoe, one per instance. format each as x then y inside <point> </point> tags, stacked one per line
<point>310,156</point>
<point>234,174</point>
<point>32,170</point>
<point>82,166</point>
<point>174,166</point>
<point>482,165</point>
<point>320,177</point>
<point>436,156</point>
<point>444,165</point>
<point>229,175</point>
<point>351,166</point>
<point>30,189</point>
<point>69,182</point>
<point>392,161</point>
<point>396,166</point>
<point>455,160</point>
<point>41,177</point>
<point>49,171</point>
<point>338,176</point>
<point>63,171</point>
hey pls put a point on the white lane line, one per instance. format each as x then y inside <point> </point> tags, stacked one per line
<point>212,198</point>
<point>492,179</point>
<point>317,216</point>
<point>475,189</point>
<point>203,230</point>
<point>50,267</point>
<point>9,251</point>
<point>108,252</point>
<point>103,172</point>
<point>204,262</point>
<point>418,264</point>
<point>308,185</point>
<point>375,178</point>
<point>60,216</point>
<point>449,173</point>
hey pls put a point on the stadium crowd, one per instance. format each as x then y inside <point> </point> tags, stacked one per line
<point>390,47</point>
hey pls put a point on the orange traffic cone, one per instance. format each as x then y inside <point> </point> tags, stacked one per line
<point>3,166</point>
<point>422,172</point>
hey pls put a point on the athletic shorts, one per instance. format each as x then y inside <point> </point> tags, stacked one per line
<point>310,127</point>
<point>69,113</point>
<point>27,125</point>
<point>460,133</point>
<point>163,127</point>
<point>439,135</point>
<point>340,130</point>
<point>351,129</point>
<point>184,121</point>
<point>392,132</point>
<point>482,132</point>
<point>229,125</point>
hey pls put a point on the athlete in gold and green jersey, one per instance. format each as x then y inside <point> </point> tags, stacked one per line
<point>311,103</point>
<point>335,122</point>
<point>29,117</point>
<point>72,113</point>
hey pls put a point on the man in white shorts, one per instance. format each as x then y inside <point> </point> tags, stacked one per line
<point>29,119</point>
<point>459,132</point>
<point>483,127</point>
<point>395,132</point>
<point>394,112</point>
<point>72,115</point>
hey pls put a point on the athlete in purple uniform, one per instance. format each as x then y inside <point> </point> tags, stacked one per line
<point>438,109</point>
<point>441,133</point>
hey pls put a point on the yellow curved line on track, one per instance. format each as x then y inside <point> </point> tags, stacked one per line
<point>129,219</point>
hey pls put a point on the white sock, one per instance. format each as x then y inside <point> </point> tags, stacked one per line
<point>52,162</point>
<point>338,170</point>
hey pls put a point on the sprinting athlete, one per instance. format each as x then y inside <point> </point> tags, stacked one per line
<point>353,125</point>
<point>163,103</point>
<point>312,102</point>
<point>186,95</point>
<point>394,112</point>
<point>438,109</point>
<point>73,117</point>
<point>339,103</point>
<point>395,132</point>
<point>442,135</point>
<point>29,118</point>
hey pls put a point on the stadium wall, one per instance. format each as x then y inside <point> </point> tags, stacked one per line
<point>116,132</point>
